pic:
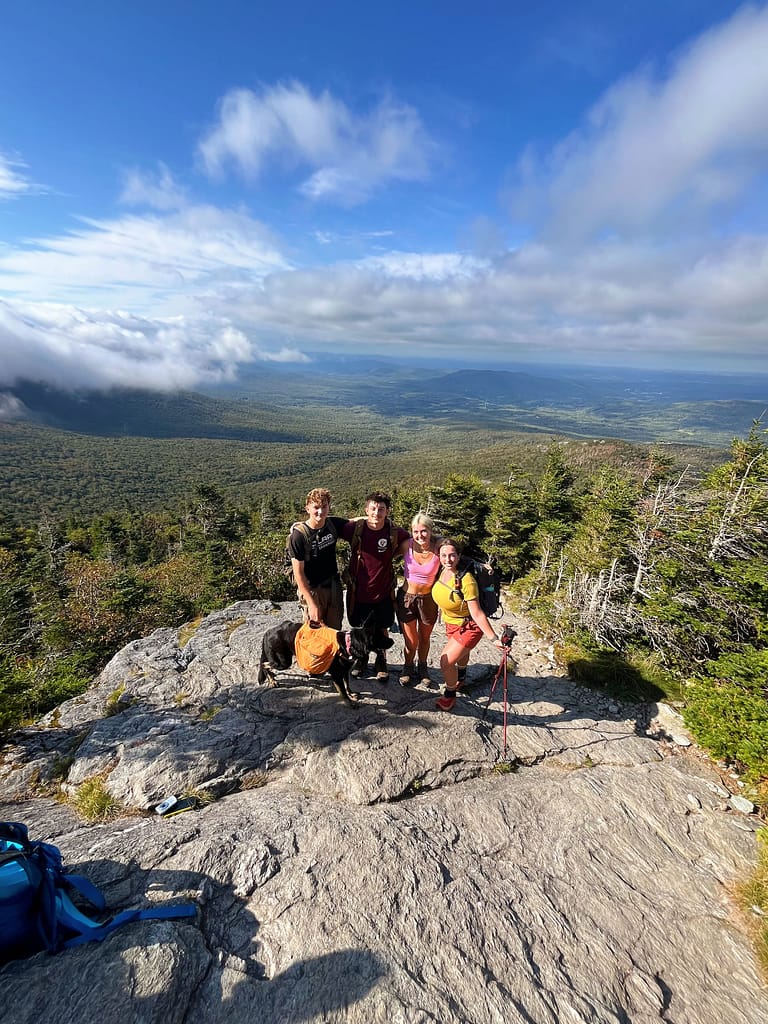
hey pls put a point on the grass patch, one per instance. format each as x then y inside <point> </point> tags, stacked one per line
<point>93,802</point>
<point>114,705</point>
<point>188,630</point>
<point>753,899</point>
<point>254,780</point>
<point>204,797</point>
<point>235,624</point>
<point>208,713</point>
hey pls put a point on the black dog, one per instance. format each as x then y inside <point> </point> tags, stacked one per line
<point>278,650</point>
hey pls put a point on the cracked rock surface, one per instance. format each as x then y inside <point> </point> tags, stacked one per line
<point>382,863</point>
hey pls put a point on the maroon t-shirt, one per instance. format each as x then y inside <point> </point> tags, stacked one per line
<point>374,574</point>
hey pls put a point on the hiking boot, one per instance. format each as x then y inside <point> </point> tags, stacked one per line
<point>447,701</point>
<point>380,667</point>
<point>408,678</point>
<point>423,674</point>
<point>359,668</point>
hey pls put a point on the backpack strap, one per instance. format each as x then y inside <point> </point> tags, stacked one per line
<point>355,543</point>
<point>87,930</point>
<point>305,529</point>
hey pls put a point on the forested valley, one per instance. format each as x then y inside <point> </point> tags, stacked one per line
<point>651,576</point>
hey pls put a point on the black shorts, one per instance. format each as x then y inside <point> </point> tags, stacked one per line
<point>382,613</point>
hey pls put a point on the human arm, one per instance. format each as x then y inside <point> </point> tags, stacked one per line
<point>303,587</point>
<point>481,619</point>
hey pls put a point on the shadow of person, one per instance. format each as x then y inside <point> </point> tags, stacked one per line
<point>179,971</point>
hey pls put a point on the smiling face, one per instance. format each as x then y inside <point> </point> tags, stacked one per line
<point>449,556</point>
<point>317,513</point>
<point>376,514</point>
<point>421,534</point>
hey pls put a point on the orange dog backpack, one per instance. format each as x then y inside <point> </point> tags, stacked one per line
<point>316,647</point>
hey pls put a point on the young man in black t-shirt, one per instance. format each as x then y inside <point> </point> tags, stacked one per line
<point>312,547</point>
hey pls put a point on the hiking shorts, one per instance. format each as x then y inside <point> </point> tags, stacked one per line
<point>330,602</point>
<point>416,608</point>
<point>467,633</point>
<point>382,613</point>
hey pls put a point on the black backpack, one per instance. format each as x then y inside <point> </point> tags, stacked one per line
<point>488,585</point>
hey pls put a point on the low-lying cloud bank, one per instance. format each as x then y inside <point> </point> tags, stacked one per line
<point>75,348</point>
<point>611,302</point>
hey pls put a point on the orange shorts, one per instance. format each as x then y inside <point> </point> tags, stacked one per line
<point>467,633</point>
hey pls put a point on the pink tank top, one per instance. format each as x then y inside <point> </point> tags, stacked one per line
<point>417,573</point>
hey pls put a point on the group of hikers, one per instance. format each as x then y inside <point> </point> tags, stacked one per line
<point>431,586</point>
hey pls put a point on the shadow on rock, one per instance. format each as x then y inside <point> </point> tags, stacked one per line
<point>169,972</point>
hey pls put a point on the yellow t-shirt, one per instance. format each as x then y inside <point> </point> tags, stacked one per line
<point>454,609</point>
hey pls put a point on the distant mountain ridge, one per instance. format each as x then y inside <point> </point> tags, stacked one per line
<point>126,412</point>
<point>511,387</point>
<point>282,405</point>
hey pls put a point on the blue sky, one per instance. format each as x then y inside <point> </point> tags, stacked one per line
<point>189,187</point>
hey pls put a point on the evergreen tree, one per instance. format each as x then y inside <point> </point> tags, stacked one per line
<point>459,509</point>
<point>510,524</point>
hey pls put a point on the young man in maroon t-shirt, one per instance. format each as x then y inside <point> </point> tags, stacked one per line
<point>370,600</point>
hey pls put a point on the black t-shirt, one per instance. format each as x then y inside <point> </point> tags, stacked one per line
<point>317,550</point>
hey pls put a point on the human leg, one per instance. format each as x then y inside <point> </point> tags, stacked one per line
<point>329,599</point>
<point>383,616</point>
<point>410,631</point>
<point>453,661</point>
<point>427,612</point>
<point>380,614</point>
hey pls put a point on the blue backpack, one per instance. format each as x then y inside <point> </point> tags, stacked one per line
<point>36,912</point>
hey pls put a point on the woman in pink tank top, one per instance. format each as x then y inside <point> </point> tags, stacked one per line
<point>416,608</point>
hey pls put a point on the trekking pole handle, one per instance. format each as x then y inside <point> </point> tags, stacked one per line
<point>508,634</point>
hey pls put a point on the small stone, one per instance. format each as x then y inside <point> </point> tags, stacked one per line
<point>680,741</point>
<point>740,803</point>
<point>693,801</point>
<point>718,790</point>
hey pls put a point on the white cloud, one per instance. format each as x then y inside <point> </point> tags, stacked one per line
<point>616,300</point>
<point>13,182</point>
<point>158,191</point>
<point>284,355</point>
<point>286,124</point>
<point>75,348</point>
<point>660,146</point>
<point>148,264</point>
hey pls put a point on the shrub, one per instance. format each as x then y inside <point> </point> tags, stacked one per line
<point>93,802</point>
<point>727,710</point>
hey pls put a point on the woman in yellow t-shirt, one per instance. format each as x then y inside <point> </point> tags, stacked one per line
<point>465,621</point>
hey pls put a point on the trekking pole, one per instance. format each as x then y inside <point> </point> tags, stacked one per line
<point>507,636</point>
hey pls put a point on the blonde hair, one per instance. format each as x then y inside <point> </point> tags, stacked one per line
<point>421,518</point>
<point>319,496</point>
